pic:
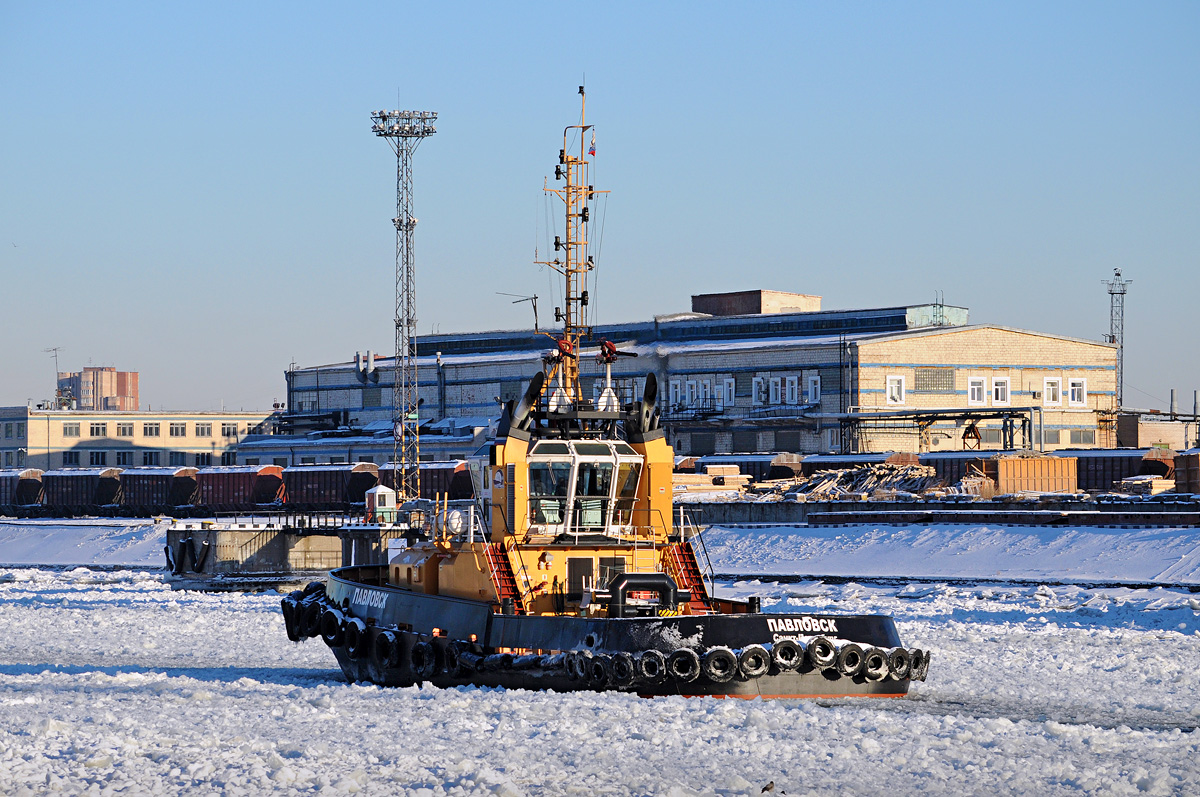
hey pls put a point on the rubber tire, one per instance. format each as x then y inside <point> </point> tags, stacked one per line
<point>850,660</point>
<point>452,658</point>
<point>754,661</point>
<point>599,671</point>
<point>310,619</point>
<point>622,670</point>
<point>422,661</point>
<point>822,654</point>
<point>875,664</point>
<point>719,664</point>
<point>899,664</point>
<point>288,606</point>
<point>787,655</point>
<point>920,673</point>
<point>651,666</point>
<point>569,662</point>
<point>357,639</point>
<point>385,650</point>
<point>332,630</point>
<point>684,665</point>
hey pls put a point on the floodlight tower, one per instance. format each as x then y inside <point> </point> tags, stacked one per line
<point>404,131</point>
<point>1116,326</point>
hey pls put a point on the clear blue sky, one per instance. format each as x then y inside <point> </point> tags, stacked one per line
<point>193,191</point>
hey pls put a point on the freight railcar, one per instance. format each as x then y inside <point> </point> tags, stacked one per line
<point>329,488</point>
<point>70,492</point>
<point>239,488</point>
<point>157,491</point>
<point>20,491</point>
<point>438,480</point>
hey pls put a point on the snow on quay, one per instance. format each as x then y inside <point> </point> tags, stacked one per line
<point>111,684</point>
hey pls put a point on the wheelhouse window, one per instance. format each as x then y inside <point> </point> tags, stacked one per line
<point>548,487</point>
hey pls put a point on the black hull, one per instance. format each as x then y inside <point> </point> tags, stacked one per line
<point>466,643</point>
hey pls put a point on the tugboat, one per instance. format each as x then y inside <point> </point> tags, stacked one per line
<point>576,576</point>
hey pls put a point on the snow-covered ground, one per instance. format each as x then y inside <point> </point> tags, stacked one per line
<point>111,683</point>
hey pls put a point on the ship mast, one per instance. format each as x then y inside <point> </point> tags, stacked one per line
<point>574,262</point>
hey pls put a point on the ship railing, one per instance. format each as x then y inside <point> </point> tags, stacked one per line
<point>690,531</point>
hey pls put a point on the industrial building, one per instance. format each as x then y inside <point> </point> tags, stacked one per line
<point>54,438</point>
<point>751,371</point>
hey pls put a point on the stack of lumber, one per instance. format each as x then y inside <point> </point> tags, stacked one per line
<point>714,478</point>
<point>1145,485</point>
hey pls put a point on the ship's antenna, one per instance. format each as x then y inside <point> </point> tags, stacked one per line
<point>404,131</point>
<point>572,258</point>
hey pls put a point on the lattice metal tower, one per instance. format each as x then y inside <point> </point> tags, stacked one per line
<point>1116,326</point>
<point>404,131</point>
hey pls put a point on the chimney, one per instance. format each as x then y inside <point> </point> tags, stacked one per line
<point>1174,403</point>
<point>370,361</point>
<point>358,364</point>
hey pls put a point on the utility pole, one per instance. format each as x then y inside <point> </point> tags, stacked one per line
<point>404,131</point>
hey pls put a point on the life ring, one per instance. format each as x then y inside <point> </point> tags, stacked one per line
<point>385,650</point>
<point>331,628</point>
<point>684,665</point>
<point>875,664</point>
<point>719,664</point>
<point>356,638</point>
<point>622,670</point>
<point>651,666</point>
<point>421,659</point>
<point>899,663</point>
<point>754,661</point>
<point>821,653</point>
<point>850,659</point>
<point>787,654</point>
<point>600,670</point>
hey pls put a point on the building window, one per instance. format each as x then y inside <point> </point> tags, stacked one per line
<point>229,430</point>
<point>705,393</point>
<point>758,391</point>
<point>125,459</point>
<point>308,460</point>
<point>8,459</point>
<point>814,390</point>
<point>776,390</point>
<point>70,459</point>
<point>991,435</point>
<point>8,427</point>
<point>230,458</point>
<point>895,390</point>
<point>1000,390</point>
<point>98,430</point>
<point>70,430</point>
<point>1051,392</point>
<point>204,430</point>
<point>1083,437</point>
<point>730,392</point>
<point>277,461</point>
<point>928,379</point>
<point>372,397</point>
<point>20,430</point>
<point>124,430</point>
<point>150,458</point>
<point>1077,397</point>
<point>792,392</point>
<point>673,393</point>
<point>337,460</point>
<point>177,458</point>
<point>976,390</point>
<point>1051,437</point>
<point>97,459</point>
<point>150,429</point>
<point>203,460</point>
<point>254,461</point>
<point>178,430</point>
<point>690,393</point>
